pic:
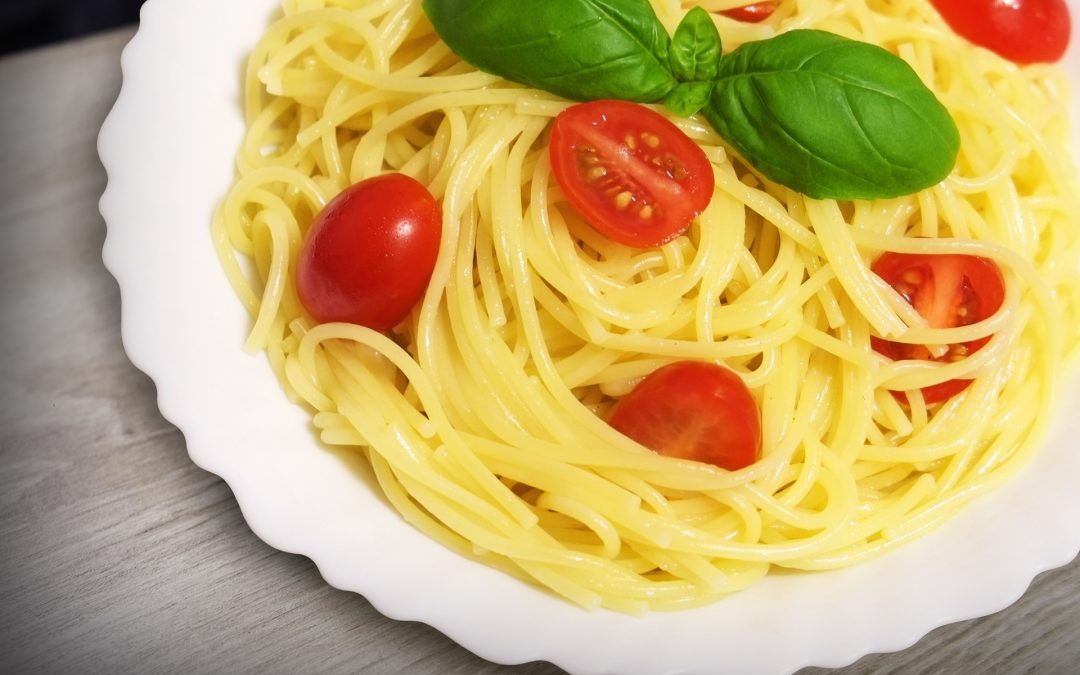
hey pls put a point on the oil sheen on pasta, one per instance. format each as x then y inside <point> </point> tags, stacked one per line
<point>482,416</point>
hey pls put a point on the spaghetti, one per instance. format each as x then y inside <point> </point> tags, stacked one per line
<point>483,414</point>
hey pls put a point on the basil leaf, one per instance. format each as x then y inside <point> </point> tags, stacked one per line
<point>832,118</point>
<point>688,98</point>
<point>580,49</point>
<point>695,48</point>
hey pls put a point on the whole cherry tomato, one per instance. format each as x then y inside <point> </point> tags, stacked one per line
<point>369,255</point>
<point>1024,31</point>
<point>693,410</point>
<point>631,173</point>
<point>754,13</point>
<point>948,291</point>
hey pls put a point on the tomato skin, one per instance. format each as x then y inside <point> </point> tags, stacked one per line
<point>754,13</point>
<point>369,255</point>
<point>693,410</point>
<point>948,290</point>
<point>1023,31</point>
<point>631,173</point>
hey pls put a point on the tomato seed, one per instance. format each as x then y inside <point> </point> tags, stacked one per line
<point>676,169</point>
<point>631,142</point>
<point>651,140</point>
<point>623,199</point>
<point>587,155</point>
<point>645,213</point>
<point>957,353</point>
<point>596,173</point>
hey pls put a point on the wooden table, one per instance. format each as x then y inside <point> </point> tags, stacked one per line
<point>119,555</point>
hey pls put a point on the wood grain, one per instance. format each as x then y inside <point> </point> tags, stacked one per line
<point>119,555</point>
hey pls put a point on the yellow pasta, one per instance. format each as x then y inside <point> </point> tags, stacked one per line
<point>483,414</point>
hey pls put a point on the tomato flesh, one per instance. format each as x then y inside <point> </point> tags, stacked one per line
<point>754,13</point>
<point>1023,31</point>
<point>948,291</point>
<point>369,255</point>
<point>693,410</point>
<point>630,173</point>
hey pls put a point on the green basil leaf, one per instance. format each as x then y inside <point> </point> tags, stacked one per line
<point>832,118</point>
<point>688,98</point>
<point>580,49</point>
<point>695,48</point>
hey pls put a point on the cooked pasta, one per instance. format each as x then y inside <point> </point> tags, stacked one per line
<point>483,414</point>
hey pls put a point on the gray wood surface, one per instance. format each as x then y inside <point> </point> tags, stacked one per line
<point>118,555</point>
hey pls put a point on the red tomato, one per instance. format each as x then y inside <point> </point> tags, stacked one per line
<point>755,13</point>
<point>948,291</point>
<point>693,410</point>
<point>370,252</point>
<point>632,174</point>
<point>1024,31</point>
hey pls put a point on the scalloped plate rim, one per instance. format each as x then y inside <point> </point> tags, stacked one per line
<point>279,489</point>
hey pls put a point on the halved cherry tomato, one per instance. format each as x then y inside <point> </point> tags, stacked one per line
<point>369,255</point>
<point>755,13</point>
<point>948,291</point>
<point>693,410</point>
<point>632,174</point>
<point>1023,31</point>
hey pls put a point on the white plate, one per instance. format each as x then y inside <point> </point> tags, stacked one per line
<point>168,147</point>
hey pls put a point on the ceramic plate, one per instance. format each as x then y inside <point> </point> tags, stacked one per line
<point>168,147</point>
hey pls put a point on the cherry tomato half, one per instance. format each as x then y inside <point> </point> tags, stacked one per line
<point>755,13</point>
<point>631,173</point>
<point>1023,31</point>
<point>370,252</point>
<point>948,291</point>
<point>693,410</point>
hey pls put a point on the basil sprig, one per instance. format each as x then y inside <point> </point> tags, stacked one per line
<point>694,58</point>
<point>824,115</point>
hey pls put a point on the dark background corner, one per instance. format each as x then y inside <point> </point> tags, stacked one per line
<point>26,24</point>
